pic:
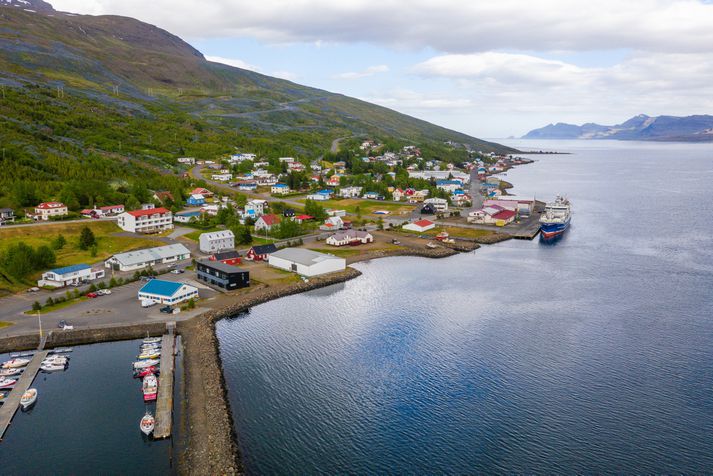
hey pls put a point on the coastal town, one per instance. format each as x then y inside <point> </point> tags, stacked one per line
<point>241,230</point>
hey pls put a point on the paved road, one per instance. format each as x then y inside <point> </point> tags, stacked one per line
<point>120,307</point>
<point>61,222</point>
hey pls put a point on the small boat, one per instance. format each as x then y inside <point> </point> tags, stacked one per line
<point>150,387</point>
<point>144,372</point>
<point>10,372</point>
<point>144,350</point>
<point>23,354</point>
<point>15,363</point>
<point>53,367</point>
<point>142,364</point>
<point>147,424</point>
<point>63,350</point>
<point>56,359</point>
<point>152,340</point>
<point>7,382</point>
<point>148,355</point>
<point>28,398</point>
<point>430,245</point>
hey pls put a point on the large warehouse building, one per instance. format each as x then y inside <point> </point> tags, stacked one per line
<point>306,262</point>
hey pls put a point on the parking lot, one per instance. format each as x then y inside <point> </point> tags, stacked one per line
<point>120,307</point>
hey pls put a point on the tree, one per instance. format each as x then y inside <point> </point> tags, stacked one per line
<point>242,234</point>
<point>132,203</point>
<point>59,242</point>
<point>286,229</point>
<point>36,306</point>
<point>49,301</point>
<point>93,250</point>
<point>87,238</point>
<point>314,209</point>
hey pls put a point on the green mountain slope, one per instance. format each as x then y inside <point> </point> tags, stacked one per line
<point>130,97</point>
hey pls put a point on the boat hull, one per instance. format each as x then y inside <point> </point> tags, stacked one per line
<point>551,230</point>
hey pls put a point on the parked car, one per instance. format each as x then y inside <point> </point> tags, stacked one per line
<point>62,324</point>
<point>177,271</point>
<point>103,292</point>
<point>92,295</point>
<point>33,290</point>
<point>68,327</point>
<point>147,278</point>
<point>148,303</point>
<point>167,309</point>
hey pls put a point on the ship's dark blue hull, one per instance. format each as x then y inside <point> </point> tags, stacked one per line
<point>550,230</point>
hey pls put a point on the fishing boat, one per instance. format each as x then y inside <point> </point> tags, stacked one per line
<point>10,372</point>
<point>556,218</point>
<point>147,424</point>
<point>150,387</point>
<point>7,382</point>
<point>152,340</point>
<point>144,372</point>
<point>28,398</point>
<point>142,364</point>
<point>15,363</point>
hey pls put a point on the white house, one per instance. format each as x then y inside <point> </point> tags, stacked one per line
<point>420,226</point>
<point>153,220</point>
<point>167,292</point>
<point>266,222</point>
<point>332,224</point>
<point>139,259</point>
<point>440,204</point>
<point>75,274</point>
<point>222,177</point>
<point>46,210</point>
<point>306,262</point>
<point>317,197</point>
<point>280,189</point>
<point>216,241</point>
<point>286,159</point>
<point>350,237</point>
<point>186,160</point>
<point>350,192</point>
<point>255,208</point>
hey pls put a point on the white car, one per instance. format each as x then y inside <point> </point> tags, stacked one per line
<point>68,327</point>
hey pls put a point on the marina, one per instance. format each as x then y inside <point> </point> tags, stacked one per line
<point>164,404</point>
<point>12,402</point>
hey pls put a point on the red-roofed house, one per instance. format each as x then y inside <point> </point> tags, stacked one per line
<point>154,220</point>
<point>420,226</point>
<point>266,222</point>
<point>302,218</point>
<point>202,191</point>
<point>46,210</point>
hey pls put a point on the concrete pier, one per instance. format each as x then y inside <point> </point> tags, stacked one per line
<point>164,403</point>
<point>12,403</point>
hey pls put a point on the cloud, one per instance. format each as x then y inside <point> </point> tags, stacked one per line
<point>289,76</point>
<point>370,71</point>
<point>451,26</point>
<point>238,63</point>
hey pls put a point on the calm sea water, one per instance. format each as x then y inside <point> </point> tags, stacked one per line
<point>86,420</point>
<point>592,355</point>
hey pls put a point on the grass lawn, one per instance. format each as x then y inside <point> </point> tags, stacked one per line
<point>58,306</point>
<point>453,231</point>
<point>194,235</point>
<point>5,324</point>
<point>367,207</point>
<point>38,235</point>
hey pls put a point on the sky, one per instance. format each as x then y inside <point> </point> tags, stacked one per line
<point>490,68</point>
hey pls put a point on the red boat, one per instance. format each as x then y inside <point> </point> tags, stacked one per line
<point>150,388</point>
<point>144,372</point>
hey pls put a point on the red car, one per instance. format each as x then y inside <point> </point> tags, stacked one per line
<point>92,295</point>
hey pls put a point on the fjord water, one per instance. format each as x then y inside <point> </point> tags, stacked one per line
<point>86,420</point>
<point>590,355</point>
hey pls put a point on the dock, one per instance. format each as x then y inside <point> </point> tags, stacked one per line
<point>12,403</point>
<point>164,402</point>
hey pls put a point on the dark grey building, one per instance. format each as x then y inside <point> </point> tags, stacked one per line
<point>222,275</point>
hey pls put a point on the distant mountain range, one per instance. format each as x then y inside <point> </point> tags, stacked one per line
<point>697,128</point>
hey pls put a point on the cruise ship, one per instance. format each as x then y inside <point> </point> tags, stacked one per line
<point>556,218</point>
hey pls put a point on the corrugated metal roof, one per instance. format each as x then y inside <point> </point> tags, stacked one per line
<point>151,254</point>
<point>302,256</point>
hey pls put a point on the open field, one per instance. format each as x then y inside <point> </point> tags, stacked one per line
<point>107,245</point>
<point>454,232</point>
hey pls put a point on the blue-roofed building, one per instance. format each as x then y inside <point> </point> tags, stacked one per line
<point>167,292</point>
<point>196,199</point>
<point>69,275</point>
<point>449,185</point>
<point>326,192</point>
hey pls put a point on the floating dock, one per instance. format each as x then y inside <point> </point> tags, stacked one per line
<point>164,402</point>
<point>12,402</point>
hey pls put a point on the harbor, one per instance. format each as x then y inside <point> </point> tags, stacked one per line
<point>95,400</point>
<point>12,403</point>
